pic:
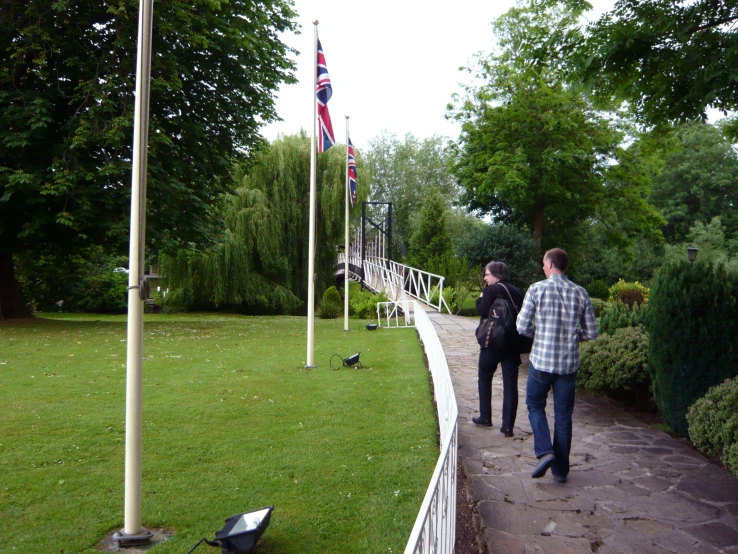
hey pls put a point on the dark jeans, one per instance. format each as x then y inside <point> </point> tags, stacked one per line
<point>488,361</point>
<point>539,383</point>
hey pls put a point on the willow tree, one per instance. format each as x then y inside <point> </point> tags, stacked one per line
<point>259,260</point>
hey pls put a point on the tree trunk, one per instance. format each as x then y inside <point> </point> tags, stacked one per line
<point>11,302</point>
<point>538,222</point>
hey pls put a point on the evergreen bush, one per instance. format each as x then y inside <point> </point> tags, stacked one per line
<point>617,365</point>
<point>713,419</point>
<point>623,289</point>
<point>598,289</point>
<point>713,423</point>
<point>598,306</point>
<point>617,315</point>
<point>331,306</point>
<point>694,335</point>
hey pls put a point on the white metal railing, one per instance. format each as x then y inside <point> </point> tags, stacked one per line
<point>398,281</point>
<point>435,527</point>
<point>395,314</point>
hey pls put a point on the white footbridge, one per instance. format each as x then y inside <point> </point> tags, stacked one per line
<point>399,282</point>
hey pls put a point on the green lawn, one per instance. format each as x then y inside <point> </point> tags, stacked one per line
<point>232,422</point>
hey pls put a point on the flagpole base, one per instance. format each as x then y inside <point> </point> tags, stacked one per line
<point>310,367</point>
<point>125,539</point>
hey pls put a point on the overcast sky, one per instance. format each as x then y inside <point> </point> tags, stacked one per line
<point>394,64</point>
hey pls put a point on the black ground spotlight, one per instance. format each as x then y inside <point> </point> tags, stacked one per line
<point>240,532</point>
<point>351,360</point>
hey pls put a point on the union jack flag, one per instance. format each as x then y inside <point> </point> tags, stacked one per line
<point>352,172</point>
<point>324,91</point>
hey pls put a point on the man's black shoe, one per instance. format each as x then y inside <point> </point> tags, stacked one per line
<point>481,422</point>
<point>544,462</point>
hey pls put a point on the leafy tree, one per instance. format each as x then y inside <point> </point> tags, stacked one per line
<point>67,72</point>
<point>502,243</point>
<point>404,173</point>
<point>533,152</point>
<point>430,242</point>
<point>669,60</point>
<point>259,262</point>
<point>698,181</point>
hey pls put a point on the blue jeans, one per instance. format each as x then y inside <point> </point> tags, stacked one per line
<point>539,383</point>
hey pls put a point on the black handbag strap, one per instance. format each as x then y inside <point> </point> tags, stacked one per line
<point>517,312</point>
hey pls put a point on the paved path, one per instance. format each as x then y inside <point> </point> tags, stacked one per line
<point>631,489</point>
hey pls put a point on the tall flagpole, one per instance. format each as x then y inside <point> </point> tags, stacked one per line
<point>311,240</point>
<point>133,532</point>
<point>346,239</point>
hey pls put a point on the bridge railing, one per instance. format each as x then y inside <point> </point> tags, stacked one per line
<point>435,527</point>
<point>399,281</point>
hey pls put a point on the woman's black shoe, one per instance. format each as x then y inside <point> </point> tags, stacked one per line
<point>481,422</point>
<point>508,432</point>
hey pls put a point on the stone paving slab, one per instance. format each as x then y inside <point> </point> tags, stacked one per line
<point>631,489</point>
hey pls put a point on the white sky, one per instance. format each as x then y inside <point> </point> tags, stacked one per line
<point>394,64</point>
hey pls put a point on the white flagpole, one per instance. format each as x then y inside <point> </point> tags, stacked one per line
<point>346,239</point>
<point>133,532</point>
<point>311,239</point>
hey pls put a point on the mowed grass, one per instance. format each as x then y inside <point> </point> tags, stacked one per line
<point>232,422</point>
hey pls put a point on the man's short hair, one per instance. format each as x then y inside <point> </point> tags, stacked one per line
<point>499,270</point>
<point>558,258</point>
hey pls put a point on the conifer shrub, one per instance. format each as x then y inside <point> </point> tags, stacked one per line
<point>598,306</point>
<point>713,420</point>
<point>598,289</point>
<point>617,315</point>
<point>617,365</point>
<point>623,290</point>
<point>331,306</point>
<point>693,333</point>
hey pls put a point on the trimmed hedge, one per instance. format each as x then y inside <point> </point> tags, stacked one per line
<point>629,292</point>
<point>694,335</point>
<point>713,423</point>
<point>617,365</point>
<point>598,289</point>
<point>598,305</point>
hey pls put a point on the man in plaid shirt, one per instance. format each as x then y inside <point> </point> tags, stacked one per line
<point>559,315</point>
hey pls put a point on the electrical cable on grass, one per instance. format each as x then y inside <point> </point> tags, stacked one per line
<point>202,540</point>
<point>331,361</point>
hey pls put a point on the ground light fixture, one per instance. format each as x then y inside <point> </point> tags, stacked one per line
<point>240,532</point>
<point>352,360</point>
<point>692,253</point>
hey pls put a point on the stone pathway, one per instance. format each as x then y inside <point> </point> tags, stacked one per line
<point>631,489</point>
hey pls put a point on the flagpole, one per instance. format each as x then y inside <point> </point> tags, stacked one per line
<point>346,240</point>
<point>311,236</point>
<point>133,532</point>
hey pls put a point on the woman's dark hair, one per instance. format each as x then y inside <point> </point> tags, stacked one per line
<point>499,270</point>
<point>558,258</point>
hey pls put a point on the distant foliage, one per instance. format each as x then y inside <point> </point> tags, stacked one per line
<point>331,306</point>
<point>617,364</point>
<point>598,289</point>
<point>617,315</point>
<point>363,304</point>
<point>449,296</point>
<point>431,240</point>
<point>502,243</point>
<point>598,306</point>
<point>713,423</point>
<point>87,281</point>
<point>694,335</point>
<point>629,292</point>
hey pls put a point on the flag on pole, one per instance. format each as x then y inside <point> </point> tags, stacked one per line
<point>324,91</point>
<point>352,172</point>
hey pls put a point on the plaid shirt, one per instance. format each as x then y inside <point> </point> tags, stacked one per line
<point>563,317</point>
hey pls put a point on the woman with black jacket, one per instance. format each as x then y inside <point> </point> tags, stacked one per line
<point>497,277</point>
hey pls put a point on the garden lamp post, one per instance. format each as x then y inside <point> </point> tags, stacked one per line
<point>692,253</point>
